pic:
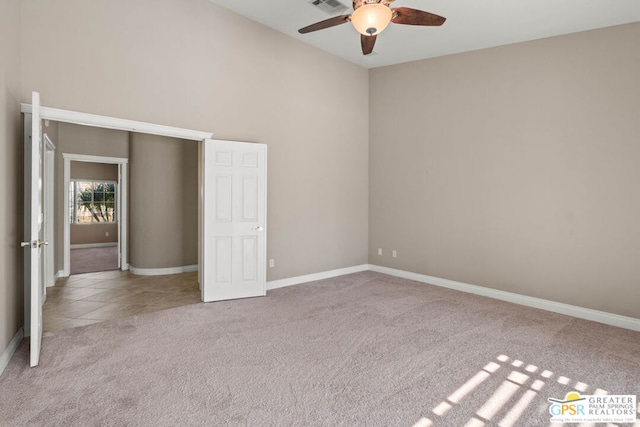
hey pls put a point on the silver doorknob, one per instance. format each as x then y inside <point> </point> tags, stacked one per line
<point>34,244</point>
<point>258,228</point>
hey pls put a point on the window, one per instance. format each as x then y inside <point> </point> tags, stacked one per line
<point>92,202</point>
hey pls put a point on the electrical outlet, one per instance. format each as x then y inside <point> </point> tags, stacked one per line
<point>106,233</point>
<point>272,263</point>
<point>394,253</point>
<point>379,251</point>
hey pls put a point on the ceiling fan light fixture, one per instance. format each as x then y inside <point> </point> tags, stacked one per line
<point>371,18</point>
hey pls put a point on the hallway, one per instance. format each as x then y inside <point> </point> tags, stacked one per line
<point>90,260</point>
<point>84,299</point>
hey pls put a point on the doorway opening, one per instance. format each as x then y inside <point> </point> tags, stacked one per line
<point>93,219</point>
<point>148,191</point>
<point>221,167</point>
<point>95,213</point>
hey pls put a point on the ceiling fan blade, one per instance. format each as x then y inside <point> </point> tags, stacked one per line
<point>367,43</point>
<point>327,23</point>
<point>408,16</point>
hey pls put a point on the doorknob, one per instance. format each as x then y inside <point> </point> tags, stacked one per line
<point>34,244</point>
<point>258,228</point>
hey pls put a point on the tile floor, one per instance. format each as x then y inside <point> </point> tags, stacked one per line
<point>89,298</point>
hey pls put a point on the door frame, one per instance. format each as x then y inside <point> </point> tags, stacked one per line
<point>121,206</point>
<point>94,120</point>
<point>49,212</point>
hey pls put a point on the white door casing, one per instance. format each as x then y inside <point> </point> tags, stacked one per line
<point>49,221</point>
<point>121,206</point>
<point>233,219</point>
<point>106,122</point>
<point>34,230</point>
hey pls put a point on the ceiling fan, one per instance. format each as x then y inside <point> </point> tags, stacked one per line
<point>370,17</point>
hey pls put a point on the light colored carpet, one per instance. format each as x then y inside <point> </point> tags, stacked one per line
<point>363,349</point>
<point>90,260</point>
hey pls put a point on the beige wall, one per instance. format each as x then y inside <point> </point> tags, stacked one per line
<point>84,234</point>
<point>514,168</point>
<point>90,170</point>
<point>93,141</point>
<point>11,293</point>
<point>193,64</point>
<point>163,207</point>
<point>75,139</point>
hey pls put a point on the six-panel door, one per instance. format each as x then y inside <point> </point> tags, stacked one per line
<point>234,220</point>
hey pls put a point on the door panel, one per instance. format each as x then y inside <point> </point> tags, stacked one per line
<point>249,258</point>
<point>223,198</point>
<point>223,259</point>
<point>249,199</point>
<point>234,220</point>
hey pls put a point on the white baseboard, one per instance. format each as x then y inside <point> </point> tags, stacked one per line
<point>556,307</point>
<point>93,245</point>
<point>59,274</point>
<point>543,304</point>
<point>162,271</point>
<point>274,284</point>
<point>11,348</point>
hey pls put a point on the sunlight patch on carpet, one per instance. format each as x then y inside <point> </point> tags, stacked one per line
<point>519,387</point>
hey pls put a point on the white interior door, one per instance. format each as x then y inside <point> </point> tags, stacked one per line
<point>233,220</point>
<point>34,230</point>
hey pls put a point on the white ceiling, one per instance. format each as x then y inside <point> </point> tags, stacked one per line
<point>470,25</point>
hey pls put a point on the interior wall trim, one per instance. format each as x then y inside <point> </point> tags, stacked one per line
<point>275,284</point>
<point>86,119</point>
<point>162,271</point>
<point>11,348</point>
<point>543,304</point>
